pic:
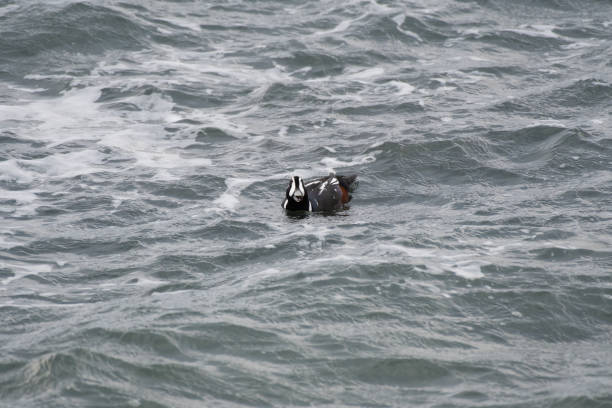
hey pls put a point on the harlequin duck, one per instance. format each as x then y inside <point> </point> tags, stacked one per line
<point>323,194</point>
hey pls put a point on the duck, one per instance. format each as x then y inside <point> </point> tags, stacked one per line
<point>330,193</point>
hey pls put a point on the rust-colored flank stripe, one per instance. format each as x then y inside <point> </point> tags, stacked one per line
<point>345,195</point>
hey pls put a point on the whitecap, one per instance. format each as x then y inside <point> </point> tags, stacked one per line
<point>445,89</point>
<point>20,196</point>
<point>402,87</point>
<point>168,160</point>
<point>10,170</point>
<point>342,26</point>
<point>8,8</point>
<point>367,73</point>
<point>467,270</point>
<point>257,278</point>
<point>578,45</point>
<point>21,269</point>
<point>227,201</point>
<point>329,149</point>
<point>332,162</point>
<point>399,20</point>
<point>67,165</point>
<point>437,260</point>
<point>536,30</point>
<point>29,90</point>
<point>478,59</point>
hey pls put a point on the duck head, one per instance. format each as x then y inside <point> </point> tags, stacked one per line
<point>296,197</point>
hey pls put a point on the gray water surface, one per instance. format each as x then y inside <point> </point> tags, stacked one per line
<point>145,147</point>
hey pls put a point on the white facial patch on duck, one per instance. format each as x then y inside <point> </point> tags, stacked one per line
<point>292,189</point>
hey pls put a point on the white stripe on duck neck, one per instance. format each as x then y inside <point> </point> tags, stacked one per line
<point>292,189</point>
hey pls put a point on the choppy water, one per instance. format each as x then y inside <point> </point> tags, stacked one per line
<point>144,151</point>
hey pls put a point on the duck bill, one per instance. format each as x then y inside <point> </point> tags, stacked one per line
<point>298,196</point>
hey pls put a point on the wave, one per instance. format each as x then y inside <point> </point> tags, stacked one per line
<point>561,102</point>
<point>494,157</point>
<point>76,28</point>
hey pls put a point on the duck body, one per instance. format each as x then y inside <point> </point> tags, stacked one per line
<point>329,193</point>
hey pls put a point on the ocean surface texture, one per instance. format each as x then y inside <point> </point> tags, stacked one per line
<point>145,149</point>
